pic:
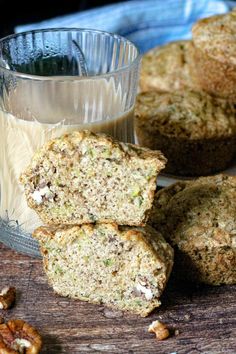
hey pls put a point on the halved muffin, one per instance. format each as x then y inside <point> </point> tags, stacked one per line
<point>123,267</point>
<point>84,177</point>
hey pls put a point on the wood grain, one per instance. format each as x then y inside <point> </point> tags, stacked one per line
<point>205,316</point>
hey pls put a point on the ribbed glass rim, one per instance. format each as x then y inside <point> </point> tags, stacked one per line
<point>71,77</point>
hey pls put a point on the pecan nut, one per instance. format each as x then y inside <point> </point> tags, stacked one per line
<point>17,336</point>
<point>7,297</point>
<point>160,330</point>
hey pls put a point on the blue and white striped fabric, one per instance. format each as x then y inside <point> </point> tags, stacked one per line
<point>145,22</point>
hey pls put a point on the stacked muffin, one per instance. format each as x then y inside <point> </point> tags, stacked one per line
<point>186,107</point>
<point>84,186</point>
<point>96,195</point>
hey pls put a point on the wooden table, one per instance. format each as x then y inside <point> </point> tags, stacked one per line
<point>205,316</point>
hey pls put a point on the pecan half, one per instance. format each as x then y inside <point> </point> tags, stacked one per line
<point>7,297</point>
<point>159,329</point>
<point>17,336</point>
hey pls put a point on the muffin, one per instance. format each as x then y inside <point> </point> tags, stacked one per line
<point>122,267</point>
<point>214,54</point>
<point>84,177</point>
<point>168,67</point>
<point>198,219</point>
<point>195,131</point>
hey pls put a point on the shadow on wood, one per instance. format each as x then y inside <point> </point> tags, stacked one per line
<point>51,345</point>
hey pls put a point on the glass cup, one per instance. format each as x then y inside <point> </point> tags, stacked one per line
<point>54,81</point>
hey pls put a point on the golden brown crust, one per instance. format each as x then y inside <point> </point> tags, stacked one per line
<point>214,54</point>
<point>143,235</point>
<point>168,67</point>
<point>195,131</point>
<point>198,218</point>
<point>186,114</point>
<point>215,77</point>
<point>215,36</point>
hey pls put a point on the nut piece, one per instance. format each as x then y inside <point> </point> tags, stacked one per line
<point>159,329</point>
<point>41,193</point>
<point>7,297</point>
<point>17,336</point>
<point>143,290</point>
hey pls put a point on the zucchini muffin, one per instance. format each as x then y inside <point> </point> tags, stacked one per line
<point>214,54</point>
<point>83,177</point>
<point>168,67</point>
<point>195,131</point>
<point>126,268</point>
<point>198,218</point>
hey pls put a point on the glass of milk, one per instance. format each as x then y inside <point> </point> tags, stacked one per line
<point>53,81</point>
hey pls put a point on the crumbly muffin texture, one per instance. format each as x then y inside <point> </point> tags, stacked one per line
<point>198,219</point>
<point>123,267</point>
<point>195,131</point>
<point>83,177</point>
<point>215,36</point>
<point>168,67</point>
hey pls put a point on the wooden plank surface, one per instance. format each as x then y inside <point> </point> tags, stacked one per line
<point>204,316</point>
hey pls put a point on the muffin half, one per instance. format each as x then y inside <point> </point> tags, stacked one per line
<point>122,267</point>
<point>84,177</point>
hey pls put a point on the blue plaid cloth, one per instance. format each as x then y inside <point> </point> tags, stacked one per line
<point>147,23</point>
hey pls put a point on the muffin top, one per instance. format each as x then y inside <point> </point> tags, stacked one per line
<point>216,36</point>
<point>201,211</point>
<point>167,68</point>
<point>185,114</point>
